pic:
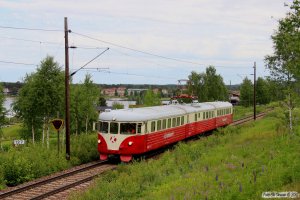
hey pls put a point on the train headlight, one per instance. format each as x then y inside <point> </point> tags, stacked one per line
<point>130,143</point>
<point>99,141</point>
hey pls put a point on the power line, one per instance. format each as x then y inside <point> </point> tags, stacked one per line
<point>151,54</point>
<point>16,63</point>
<point>131,74</point>
<point>30,29</point>
<point>27,40</point>
<point>136,50</point>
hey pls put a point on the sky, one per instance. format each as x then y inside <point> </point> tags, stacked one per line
<point>150,42</point>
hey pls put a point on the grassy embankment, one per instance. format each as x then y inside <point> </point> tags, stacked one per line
<point>233,163</point>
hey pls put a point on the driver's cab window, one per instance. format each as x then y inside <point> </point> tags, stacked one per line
<point>103,127</point>
<point>114,128</point>
<point>128,128</point>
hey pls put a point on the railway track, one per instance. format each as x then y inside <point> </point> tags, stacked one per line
<point>249,118</point>
<point>57,186</point>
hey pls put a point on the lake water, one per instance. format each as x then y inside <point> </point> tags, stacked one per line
<point>7,105</point>
<point>9,100</point>
<point>126,104</point>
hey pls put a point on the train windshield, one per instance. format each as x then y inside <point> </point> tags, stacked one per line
<point>114,128</point>
<point>128,128</point>
<point>104,127</point>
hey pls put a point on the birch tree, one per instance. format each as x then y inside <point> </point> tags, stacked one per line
<point>41,97</point>
<point>284,63</point>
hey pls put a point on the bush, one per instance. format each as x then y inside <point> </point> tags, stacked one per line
<point>22,164</point>
<point>84,148</point>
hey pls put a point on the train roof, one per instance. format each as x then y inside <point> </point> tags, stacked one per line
<point>158,112</point>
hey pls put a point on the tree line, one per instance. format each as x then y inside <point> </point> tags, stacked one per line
<point>208,86</point>
<point>42,99</point>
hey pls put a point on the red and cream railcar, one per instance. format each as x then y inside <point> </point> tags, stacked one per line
<point>135,131</point>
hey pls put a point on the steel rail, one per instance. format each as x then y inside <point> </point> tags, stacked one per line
<point>63,188</point>
<point>49,180</point>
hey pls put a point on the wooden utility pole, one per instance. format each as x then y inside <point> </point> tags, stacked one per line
<point>67,90</point>
<point>254,92</point>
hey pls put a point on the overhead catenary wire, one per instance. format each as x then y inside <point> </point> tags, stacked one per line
<point>28,40</point>
<point>152,54</point>
<point>30,29</point>
<point>136,50</point>
<point>89,61</point>
<point>111,43</point>
<point>129,74</point>
<point>17,63</point>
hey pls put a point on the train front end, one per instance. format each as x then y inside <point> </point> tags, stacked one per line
<point>119,137</point>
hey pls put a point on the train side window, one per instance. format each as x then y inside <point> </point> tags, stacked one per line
<point>114,128</point>
<point>182,120</point>
<point>127,128</point>
<point>164,124</point>
<point>196,117</point>
<point>103,127</point>
<point>174,122</point>
<point>169,123</point>
<point>206,113</point>
<point>159,125</point>
<point>139,128</point>
<point>178,121</point>
<point>152,126</point>
<point>146,127</point>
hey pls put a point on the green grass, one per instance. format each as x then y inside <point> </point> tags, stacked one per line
<point>233,163</point>
<point>241,111</point>
<point>12,132</point>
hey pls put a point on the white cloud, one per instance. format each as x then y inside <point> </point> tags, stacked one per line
<point>210,32</point>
